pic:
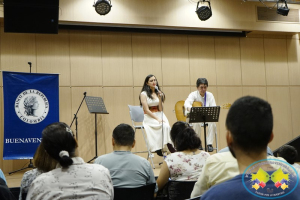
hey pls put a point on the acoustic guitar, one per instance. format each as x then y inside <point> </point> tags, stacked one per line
<point>180,110</point>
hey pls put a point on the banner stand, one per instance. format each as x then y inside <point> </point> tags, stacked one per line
<point>30,165</point>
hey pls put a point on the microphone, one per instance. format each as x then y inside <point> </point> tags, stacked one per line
<point>157,90</point>
<point>29,63</point>
<point>84,93</point>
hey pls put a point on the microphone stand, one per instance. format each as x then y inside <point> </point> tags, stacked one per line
<point>75,116</point>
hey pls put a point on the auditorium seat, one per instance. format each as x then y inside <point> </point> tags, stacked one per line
<point>145,192</point>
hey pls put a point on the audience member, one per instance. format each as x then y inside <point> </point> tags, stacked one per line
<point>289,153</point>
<point>186,164</point>
<point>43,163</point>
<point>219,168</point>
<point>269,151</point>
<point>249,126</point>
<point>127,170</point>
<point>2,176</point>
<point>5,193</point>
<point>73,178</point>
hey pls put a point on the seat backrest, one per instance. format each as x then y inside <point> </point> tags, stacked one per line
<point>178,190</point>
<point>136,113</point>
<point>145,192</point>
<point>15,191</point>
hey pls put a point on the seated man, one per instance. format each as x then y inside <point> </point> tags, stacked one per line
<point>249,126</point>
<point>126,169</point>
<point>289,153</point>
<point>207,99</point>
<point>220,167</point>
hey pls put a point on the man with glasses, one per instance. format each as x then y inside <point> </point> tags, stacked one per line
<point>207,99</point>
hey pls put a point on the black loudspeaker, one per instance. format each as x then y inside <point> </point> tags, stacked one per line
<point>31,16</point>
<point>295,143</point>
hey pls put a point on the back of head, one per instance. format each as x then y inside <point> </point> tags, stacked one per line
<point>59,143</point>
<point>250,121</point>
<point>42,160</point>
<point>201,81</point>
<point>289,153</point>
<point>123,135</point>
<point>184,137</point>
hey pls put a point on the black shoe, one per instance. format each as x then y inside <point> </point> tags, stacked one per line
<point>159,152</point>
<point>210,148</point>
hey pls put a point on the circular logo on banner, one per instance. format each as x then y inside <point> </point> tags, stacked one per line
<point>270,179</point>
<point>32,106</point>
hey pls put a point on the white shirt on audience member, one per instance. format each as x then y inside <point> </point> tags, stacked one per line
<point>79,181</point>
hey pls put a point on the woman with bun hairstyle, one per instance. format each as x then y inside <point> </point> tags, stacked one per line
<point>72,178</point>
<point>186,164</point>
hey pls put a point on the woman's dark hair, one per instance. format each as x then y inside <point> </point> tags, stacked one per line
<point>289,153</point>
<point>147,89</point>
<point>184,137</point>
<point>58,137</point>
<point>42,160</point>
<point>201,81</point>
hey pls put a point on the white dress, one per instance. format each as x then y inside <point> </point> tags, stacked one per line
<point>154,129</point>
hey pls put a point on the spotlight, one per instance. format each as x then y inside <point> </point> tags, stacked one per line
<point>204,12</point>
<point>283,9</point>
<point>102,7</point>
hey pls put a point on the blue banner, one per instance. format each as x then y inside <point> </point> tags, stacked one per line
<point>31,102</point>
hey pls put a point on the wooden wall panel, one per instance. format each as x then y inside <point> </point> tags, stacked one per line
<point>295,96</point>
<point>228,65</point>
<point>16,51</point>
<point>260,92</point>
<point>202,59</point>
<point>226,95</point>
<point>252,61</point>
<point>85,58</point>
<point>279,98</point>
<point>173,95</point>
<point>175,62</point>
<point>276,62</point>
<point>293,51</point>
<point>146,56</point>
<point>65,105</point>
<point>116,100</point>
<point>53,55</point>
<point>117,59</point>
<point>86,123</point>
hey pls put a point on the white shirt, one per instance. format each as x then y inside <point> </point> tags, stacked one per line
<point>78,181</point>
<point>219,168</point>
<point>195,96</point>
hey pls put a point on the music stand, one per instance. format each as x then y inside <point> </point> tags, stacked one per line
<point>96,106</point>
<point>204,114</point>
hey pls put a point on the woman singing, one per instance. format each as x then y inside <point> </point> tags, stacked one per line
<point>151,98</point>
